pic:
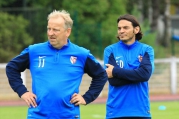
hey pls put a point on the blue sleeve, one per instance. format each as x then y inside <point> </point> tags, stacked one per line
<point>99,77</point>
<point>141,74</point>
<point>115,81</point>
<point>13,72</point>
<point>109,59</point>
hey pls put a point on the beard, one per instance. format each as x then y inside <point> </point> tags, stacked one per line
<point>127,37</point>
<point>128,40</point>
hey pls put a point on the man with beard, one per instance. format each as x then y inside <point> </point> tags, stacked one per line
<point>129,65</point>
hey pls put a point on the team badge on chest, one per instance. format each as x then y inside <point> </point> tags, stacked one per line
<point>73,59</point>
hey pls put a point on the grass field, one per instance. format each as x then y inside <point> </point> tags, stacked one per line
<point>97,111</point>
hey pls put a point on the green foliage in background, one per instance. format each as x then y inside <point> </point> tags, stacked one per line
<point>95,23</point>
<point>5,2</point>
<point>37,28</point>
<point>148,36</point>
<point>94,27</point>
<point>150,39</point>
<point>13,36</point>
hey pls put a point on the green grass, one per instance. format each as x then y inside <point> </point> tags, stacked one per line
<point>97,111</point>
<point>13,112</point>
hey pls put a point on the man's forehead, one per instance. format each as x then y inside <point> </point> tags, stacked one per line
<point>123,23</point>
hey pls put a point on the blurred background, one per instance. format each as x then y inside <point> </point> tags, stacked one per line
<point>24,22</point>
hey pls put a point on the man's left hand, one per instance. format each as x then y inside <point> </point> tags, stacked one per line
<point>109,70</point>
<point>77,99</point>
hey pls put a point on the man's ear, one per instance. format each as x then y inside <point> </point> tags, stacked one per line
<point>68,32</point>
<point>136,29</point>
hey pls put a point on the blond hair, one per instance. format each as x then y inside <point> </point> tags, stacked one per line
<point>64,14</point>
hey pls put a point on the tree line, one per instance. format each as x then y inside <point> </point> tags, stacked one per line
<point>23,22</point>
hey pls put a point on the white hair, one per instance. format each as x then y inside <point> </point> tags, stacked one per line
<point>65,15</point>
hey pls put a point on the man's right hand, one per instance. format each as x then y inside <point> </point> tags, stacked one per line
<point>30,99</point>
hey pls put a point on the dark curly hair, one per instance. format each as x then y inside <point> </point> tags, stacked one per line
<point>134,22</point>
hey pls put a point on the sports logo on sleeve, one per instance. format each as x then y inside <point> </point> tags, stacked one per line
<point>73,59</point>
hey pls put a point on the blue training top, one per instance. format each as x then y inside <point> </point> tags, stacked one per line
<point>56,76</point>
<point>128,94</point>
